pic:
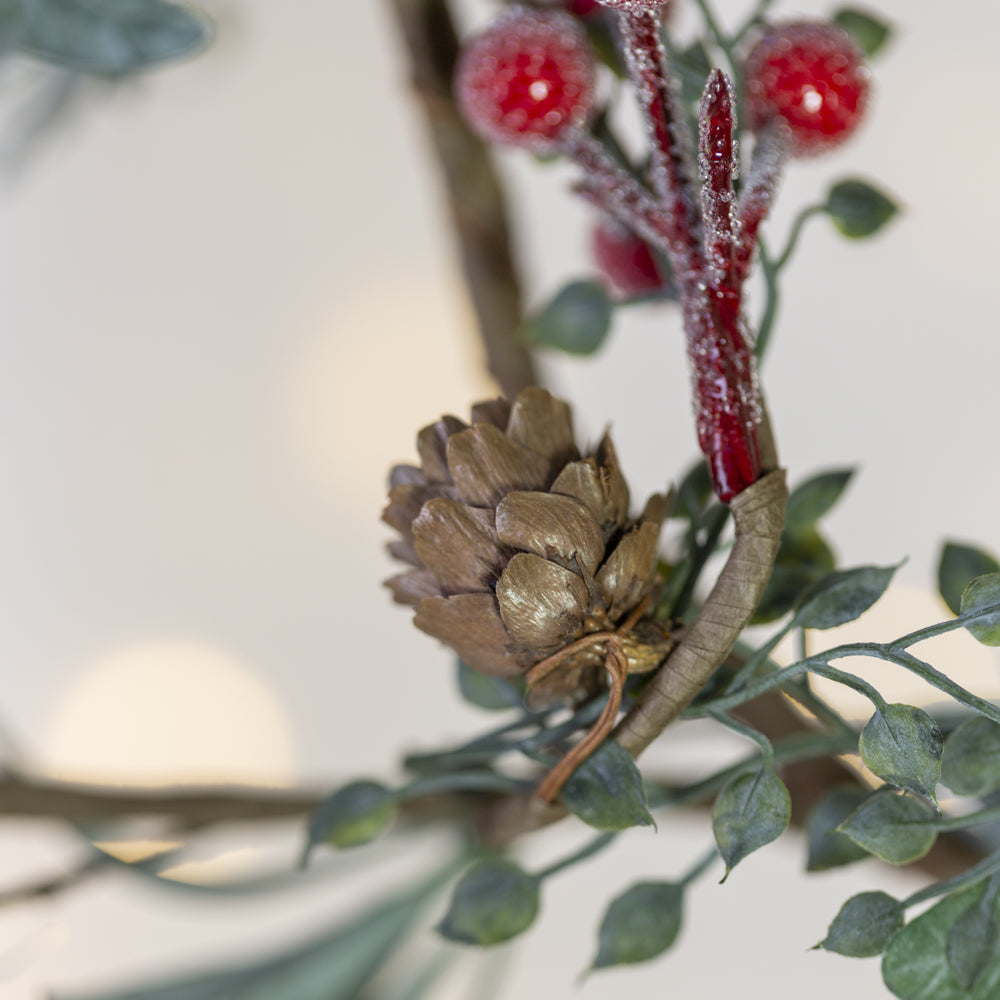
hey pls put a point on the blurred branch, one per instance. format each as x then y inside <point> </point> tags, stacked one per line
<point>476,201</point>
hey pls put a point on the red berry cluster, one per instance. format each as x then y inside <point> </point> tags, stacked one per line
<point>812,75</point>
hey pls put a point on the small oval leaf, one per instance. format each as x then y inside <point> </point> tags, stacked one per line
<point>607,791</point>
<point>751,810</point>
<point>915,965</point>
<point>869,32</point>
<point>843,596</point>
<point>984,592</point>
<point>494,901</point>
<point>888,825</point>
<point>864,925</point>
<point>972,941</point>
<point>827,847</point>
<point>353,815</point>
<point>814,498</point>
<point>640,924</point>
<point>958,567</point>
<point>576,321</point>
<point>902,745</point>
<point>970,761</point>
<point>857,209</point>
<point>485,691</point>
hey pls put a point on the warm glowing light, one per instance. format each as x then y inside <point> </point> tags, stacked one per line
<point>170,713</point>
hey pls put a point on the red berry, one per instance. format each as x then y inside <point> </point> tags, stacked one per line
<point>811,74</point>
<point>527,79</point>
<point>627,261</point>
<point>583,8</point>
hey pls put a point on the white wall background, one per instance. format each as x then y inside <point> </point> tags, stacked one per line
<point>229,302</point>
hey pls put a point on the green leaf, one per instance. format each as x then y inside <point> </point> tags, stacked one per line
<point>828,848</point>
<point>803,558</point>
<point>751,810</point>
<point>576,321</point>
<point>902,745</point>
<point>607,791</point>
<point>640,924</point>
<point>333,966</point>
<point>484,691</point>
<point>694,492</point>
<point>869,32</point>
<point>888,825</point>
<point>915,965</point>
<point>857,209</point>
<point>493,902</point>
<point>353,815</point>
<point>970,762</point>
<point>972,941</point>
<point>984,592</point>
<point>111,37</point>
<point>958,567</point>
<point>842,596</point>
<point>814,498</point>
<point>864,925</point>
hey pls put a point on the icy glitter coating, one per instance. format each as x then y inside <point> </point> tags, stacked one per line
<point>527,79</point>
<point>811,74</point>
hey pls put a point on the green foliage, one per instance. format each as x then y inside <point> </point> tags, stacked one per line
<point>640,924</point>
<point>109,38</point>
<point>984,592</point>
<point>930,960</point>
<point>333,966</point>
<point>902,745</point>
<point>607,791</point>
<point>972,940</point>
<point>493,902</point>
<point>827,848</point>
<point>958,567</point>
<point>970,761</point>
<point>751,810</point>
<point>857,209</point>
<point>887,824</point>
<point>353,815</point>
<point>576,321</point>
<point>864,925</point>
<point>804,556</point>
<point>868,31</point>
<point>484,691</point>
<point>842,596</point>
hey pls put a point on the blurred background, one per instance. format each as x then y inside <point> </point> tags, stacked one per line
<point>229,302</point>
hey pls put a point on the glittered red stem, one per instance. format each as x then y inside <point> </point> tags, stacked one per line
<point>769,155</point>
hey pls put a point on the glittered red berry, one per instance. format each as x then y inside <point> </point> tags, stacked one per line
<point>626,260</point>
<point>811,74</point>
<point>527,79</point>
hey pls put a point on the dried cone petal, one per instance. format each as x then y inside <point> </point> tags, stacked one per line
<point>521,549</point>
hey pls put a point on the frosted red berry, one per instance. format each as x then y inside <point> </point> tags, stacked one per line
<point>527,79</point>
<point>811,74</point>
<point>626,260</point>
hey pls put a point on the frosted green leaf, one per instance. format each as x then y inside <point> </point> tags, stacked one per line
<point>353,815</point>
<point>843,596</point>
<point>864,925</point>
<point>972,941</point>
<point>485,691</point>
<point>493,902</point>
<point>751,810</point>
<point>607,791</point>
<point>902,745</point>
<point>887,824</point>
<point>576,321</point>
<point>984,592</point>
<point>857,209</point>
<point>827,847</point>
<point>958,567</point>
<point>916,966</point>
<point>640,924</point>
<point>970,762</point>
<point>869,32</point>
<point>810,500</point>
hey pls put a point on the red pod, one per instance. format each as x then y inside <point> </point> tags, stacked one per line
<point>626,260</point>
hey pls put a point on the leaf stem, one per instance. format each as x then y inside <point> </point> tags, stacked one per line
<point>592,847</point>
<point>988,866</point>
<point>699,867</point>
<point>766,749</point>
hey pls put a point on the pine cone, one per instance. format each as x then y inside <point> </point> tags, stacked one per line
<point>520,549</point>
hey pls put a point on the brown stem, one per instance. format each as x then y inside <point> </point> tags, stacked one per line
<point>473,190</point>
